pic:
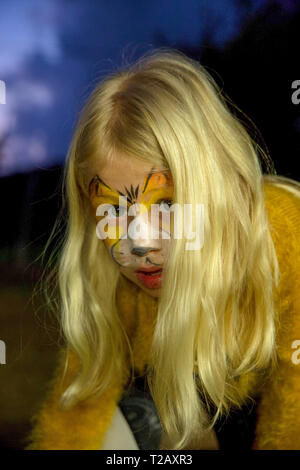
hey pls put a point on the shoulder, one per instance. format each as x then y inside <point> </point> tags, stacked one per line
<point>282,203</point>
<point>283,209</point>
<point>279,408</point>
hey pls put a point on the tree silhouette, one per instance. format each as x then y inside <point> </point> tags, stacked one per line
<point>256,70</point>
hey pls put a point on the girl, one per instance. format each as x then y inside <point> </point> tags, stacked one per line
<point>199,328</point>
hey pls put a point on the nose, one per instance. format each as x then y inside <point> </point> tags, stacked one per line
<point>141,251</point>
<point>143,243</point>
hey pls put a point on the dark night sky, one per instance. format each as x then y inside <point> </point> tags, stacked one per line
<point>53,52</point>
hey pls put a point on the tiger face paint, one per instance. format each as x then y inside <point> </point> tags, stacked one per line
<point>134,242</point>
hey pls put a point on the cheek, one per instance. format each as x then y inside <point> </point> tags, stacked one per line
<point>120,251</point>
<point>167,223</point>
<point>110,231</point>
<point>129,274</point>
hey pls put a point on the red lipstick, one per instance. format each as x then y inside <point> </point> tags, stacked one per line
<point>149,270</point>
<point>151,277</point>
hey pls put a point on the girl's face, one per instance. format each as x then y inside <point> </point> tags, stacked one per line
<point>135,240</point>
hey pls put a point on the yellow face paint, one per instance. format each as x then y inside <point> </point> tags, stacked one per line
<point>101,193</point>
<point>156,187</point>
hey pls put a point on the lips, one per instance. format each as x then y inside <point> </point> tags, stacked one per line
<point>149,270</point>
<point>150,277</point>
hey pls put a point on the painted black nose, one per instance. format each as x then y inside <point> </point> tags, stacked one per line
<point>140,251</point>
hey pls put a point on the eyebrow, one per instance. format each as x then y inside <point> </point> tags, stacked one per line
<point>132,194</point>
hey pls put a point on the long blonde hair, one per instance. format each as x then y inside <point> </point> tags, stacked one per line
<point>218,311</point>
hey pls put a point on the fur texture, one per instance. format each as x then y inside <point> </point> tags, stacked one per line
<point>278,422</point>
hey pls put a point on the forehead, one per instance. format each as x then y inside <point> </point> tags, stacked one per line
<point>124,172</point>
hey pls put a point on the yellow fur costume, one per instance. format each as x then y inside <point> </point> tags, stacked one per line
<point>278,413</point>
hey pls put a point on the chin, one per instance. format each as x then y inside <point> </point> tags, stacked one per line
<point>152,292</point>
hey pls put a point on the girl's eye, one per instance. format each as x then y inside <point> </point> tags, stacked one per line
<point>165,204</point>
<point>119,211</point>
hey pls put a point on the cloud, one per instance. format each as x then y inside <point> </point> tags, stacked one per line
<point>26,94</point>
<point>24,152</point>
<point>26,27</point>
<point>26,30</point>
